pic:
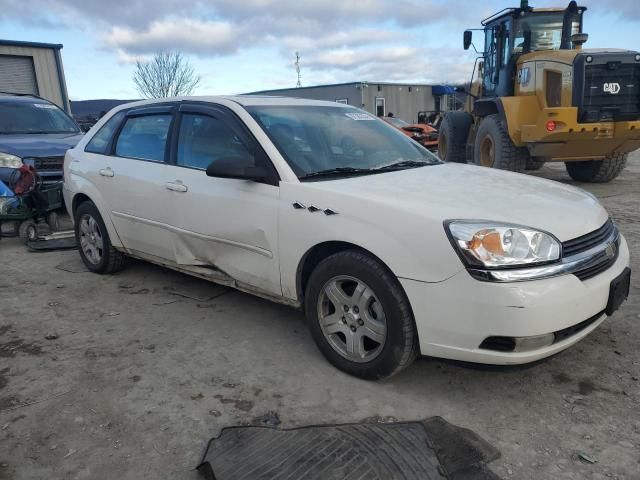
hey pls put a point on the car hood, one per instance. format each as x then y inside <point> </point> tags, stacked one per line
<point>453,191</point>
<point>39,145</point>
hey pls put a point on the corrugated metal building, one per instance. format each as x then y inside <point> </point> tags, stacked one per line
<point>404,100</point>
<point>33,68</point>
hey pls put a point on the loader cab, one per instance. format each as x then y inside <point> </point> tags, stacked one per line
<point>517,31</point>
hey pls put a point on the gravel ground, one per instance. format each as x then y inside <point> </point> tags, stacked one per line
<point>139,377</point>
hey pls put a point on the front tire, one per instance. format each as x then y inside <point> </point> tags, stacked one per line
<point>597,171</point>
<point>360,317</point>
<point>493,147</point>
<point>93,241</point>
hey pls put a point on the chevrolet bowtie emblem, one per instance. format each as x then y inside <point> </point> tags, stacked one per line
<point>610,251</point>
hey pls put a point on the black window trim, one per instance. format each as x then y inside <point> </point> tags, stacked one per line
<point>163,109</point>
<point>107,148</point>
<point>234,122</point>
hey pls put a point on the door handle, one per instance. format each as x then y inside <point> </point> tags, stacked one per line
<point>176,187</point>
<point>107,172</point>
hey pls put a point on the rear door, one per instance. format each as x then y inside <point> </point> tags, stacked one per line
<point>131,179</point>
<point>229,224</point>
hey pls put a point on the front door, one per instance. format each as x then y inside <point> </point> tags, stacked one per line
<point>225,223</point>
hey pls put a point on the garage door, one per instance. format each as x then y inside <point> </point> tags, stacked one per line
<point>17,75</point>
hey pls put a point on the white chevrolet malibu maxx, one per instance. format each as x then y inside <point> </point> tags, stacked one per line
<point>319,205</point>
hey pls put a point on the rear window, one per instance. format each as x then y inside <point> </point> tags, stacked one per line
<point>101,140</point>
<point>144,137</point>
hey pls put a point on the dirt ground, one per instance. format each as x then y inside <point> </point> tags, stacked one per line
<point>140,377</point>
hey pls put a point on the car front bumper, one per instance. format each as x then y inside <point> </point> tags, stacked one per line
<point>455,316</point>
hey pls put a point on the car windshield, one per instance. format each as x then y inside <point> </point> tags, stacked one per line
<point>34,117</point>
<point>397,122</point>
<point>318,140</point>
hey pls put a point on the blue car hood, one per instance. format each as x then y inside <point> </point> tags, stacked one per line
<point>39,145</point>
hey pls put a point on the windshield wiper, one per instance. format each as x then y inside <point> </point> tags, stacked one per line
<point>402,165</point>
<point>338,171</point>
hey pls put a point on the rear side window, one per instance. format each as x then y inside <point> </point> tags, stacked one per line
<point>100,141</point>
<point>144,137</point>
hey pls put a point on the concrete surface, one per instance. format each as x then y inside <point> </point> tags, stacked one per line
<point>139,377</point>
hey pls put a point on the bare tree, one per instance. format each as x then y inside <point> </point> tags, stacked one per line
<point>168,74</point>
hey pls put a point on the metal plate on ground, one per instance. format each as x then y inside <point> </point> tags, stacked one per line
<point>52,244</point>
<point>426,450</point>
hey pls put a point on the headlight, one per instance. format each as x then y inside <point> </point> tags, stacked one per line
<point>10,161</point>
<point>494,245</point>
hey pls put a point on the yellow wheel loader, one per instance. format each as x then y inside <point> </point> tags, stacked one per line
<point>537,96</point>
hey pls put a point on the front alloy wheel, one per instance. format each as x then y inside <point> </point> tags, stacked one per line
<point>352,319</point>
<point>360,316</point>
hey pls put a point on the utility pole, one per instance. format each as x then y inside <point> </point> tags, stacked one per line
<point>299,84</point>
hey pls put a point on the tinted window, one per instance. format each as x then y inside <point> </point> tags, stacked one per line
<point>100,141</point>
<point>204,139</point>
<point>144,137</point>
<point>34,117</point>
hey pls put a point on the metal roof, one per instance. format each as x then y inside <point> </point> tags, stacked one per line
<point>19,43</point>
<point>328,85</point>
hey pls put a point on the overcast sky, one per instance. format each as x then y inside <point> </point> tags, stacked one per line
<point>245,45</point>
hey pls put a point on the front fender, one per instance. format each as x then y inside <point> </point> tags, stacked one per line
<point>410,247</point>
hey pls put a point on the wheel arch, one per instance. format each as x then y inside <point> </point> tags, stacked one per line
<point>82,197</point>
<point>316,254</point>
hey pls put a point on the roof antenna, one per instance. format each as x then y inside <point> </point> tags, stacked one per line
<point>299,84</point>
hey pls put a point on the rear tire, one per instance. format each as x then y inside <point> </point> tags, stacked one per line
<point>93,241</point>
<point>331,307</point>
<point>494,148</point>
<point>452,137</point>
<point>597,171</point>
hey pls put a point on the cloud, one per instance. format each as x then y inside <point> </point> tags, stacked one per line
<point>187,35</point>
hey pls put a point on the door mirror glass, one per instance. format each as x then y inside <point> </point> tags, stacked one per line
<point>468,35</point>
<point>238,167</point>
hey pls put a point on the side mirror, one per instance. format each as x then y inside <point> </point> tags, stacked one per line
<point>241,168</point>
<point>468,35</point>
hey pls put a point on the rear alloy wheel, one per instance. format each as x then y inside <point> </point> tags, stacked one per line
<point>94,244</point>
<point>493,147</point>
<point>359,316</point>
<point>597,171</point>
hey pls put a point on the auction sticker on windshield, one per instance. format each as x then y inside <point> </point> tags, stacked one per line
<point>359,116</point>
<point>45,105</point>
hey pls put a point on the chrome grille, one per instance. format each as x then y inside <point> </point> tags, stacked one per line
<point>605,237</point>
<point>590,240</point>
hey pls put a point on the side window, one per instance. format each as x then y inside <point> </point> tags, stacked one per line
<point>100,141</point>
<point>144,137</point>
<point>204,139</point>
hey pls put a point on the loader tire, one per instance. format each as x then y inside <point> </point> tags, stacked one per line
<point>452,137</point>
<point>597,171</point>
<point>493,147</point>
